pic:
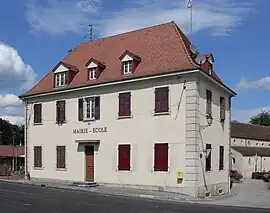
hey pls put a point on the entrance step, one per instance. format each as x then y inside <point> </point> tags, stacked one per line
<point>84,184</point>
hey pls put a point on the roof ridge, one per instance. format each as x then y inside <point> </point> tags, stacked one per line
<point>182,37</point>
<point>124,33</point>
<point>258,125</point>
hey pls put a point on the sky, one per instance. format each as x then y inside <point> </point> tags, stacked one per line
<point>36,34</point>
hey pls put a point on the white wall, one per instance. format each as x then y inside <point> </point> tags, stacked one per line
<point>249,142</point>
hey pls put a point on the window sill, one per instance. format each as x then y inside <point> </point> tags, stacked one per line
<point>61,169</point>
<point>161,172</point>
<point>127,74</point>
<point>124,171</point>
<point>125,117</point>
<point>37,124</point>
<point>61,122</point>
<point>209,171</point>
<point>38,168</point>
<point>162,113</point>
<point>89,120</point>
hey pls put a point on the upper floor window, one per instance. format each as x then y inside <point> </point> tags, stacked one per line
<point>208,102</point>
<point>124,104</point>
<point>60,111</point>
<point>37,113</point>
<point>61,79</point>
<point>89,108</point>
<point>127,67</point>
<point>92,73</point>
<point>162,99</point>
<point>222,108</point>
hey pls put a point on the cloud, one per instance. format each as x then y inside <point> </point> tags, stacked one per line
<point>243,115</point>
<point>16,120</point>
<point>14,73</point>
<point>220,17</point>
<point>57,17</point>
<point>263,83</point>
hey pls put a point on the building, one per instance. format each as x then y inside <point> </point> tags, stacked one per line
<point>136,110</point>
<point>250,148</point>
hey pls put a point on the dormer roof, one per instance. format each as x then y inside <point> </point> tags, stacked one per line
<point>95,63</point>
<point>130,54</point>
<point>63,67</point>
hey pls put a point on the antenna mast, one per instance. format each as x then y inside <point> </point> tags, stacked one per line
<point>189,6</point>
<point>91,32</point>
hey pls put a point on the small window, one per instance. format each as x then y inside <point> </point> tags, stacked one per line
<point>127,67</point>
<point>37,113</point>
<point>61,157</point>
<point>221,158</point>
<point>60,111</point>
<point>222,108</point>
<point>124,104</point>
<point>37,156</point>
<point>92,73</point>
<point>89,108</point>
<point>61,79</point>
<point>208,102</point>
<point>208,162</point>
<point>161,157</point>
<point>162,99</point>
<point>124,157</point>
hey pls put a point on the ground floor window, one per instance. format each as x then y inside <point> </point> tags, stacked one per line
<point>61,157</point>
<point>37,156</point>
<point>161,157</point>
<point>124,157</point>
<point>208,162</point>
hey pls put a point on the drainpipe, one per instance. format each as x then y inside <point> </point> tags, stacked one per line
<point>230,144</point>
<point>25,139</point>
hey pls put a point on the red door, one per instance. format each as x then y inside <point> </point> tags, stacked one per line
<point>89,163</point>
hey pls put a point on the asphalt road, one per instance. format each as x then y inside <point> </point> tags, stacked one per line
<point>18,198</point>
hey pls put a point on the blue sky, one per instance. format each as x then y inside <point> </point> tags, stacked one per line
<point>36,34</point>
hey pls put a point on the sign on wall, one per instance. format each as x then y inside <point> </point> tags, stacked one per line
<point>90,130</point>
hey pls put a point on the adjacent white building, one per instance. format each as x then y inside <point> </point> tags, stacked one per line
<point>250,148</point>
<point>135,109</point>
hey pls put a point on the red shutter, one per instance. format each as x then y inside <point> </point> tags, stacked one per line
<point>124,104</point>
<point>54,80</point>
<point>122,68</point>
<point>97,108</point>
<point>37,156</point>
<point>161,157</point>
<point>80,109</point>
<point>37,113</point>
<point>61,157</point>
<point>134,64</point>
<point>60,111</point>
<point>162,99</point>
<point>124,157</point>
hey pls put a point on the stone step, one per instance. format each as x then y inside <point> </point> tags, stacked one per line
<point>84,184</point>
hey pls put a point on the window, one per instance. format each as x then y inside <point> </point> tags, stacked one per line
<point>162,99</point>
<point>127,67</point>
<point>222,109</point>
<point>60,111</point>
<point>37,156</point>
<point>221,158</point>
<point>208,158</point>
<point>124,104</point>
<point>61,79</point>
<point>37,113</point>
<point>124,157</point>
<point>92,73</point>
<point>161,157</point>
<point>208,102</point>
<point>89,108</point>
<point>61,157</point>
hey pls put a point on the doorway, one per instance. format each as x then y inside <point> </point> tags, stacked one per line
<point>89,163</point>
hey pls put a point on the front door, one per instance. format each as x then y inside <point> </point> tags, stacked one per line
<point>89,163</point>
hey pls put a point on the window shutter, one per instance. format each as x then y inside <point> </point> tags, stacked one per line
<point>61,158</point>
<point>37,156</point>
<point>57,112</point>
<point>122,68</point>
<point>124,104</point>
<point>37,113</point>
<point>221,157</point>
<point>80,109</point>
<point>208,159</point>
<point>161,157</point>
<point>162,99</point>
<point>62,111</point>
<point>222,108</point>
<point>97,108</point>
<point>124,157</point>
<point>134,64</point>
<point>208,102</point>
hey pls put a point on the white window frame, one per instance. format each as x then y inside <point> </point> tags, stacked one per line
<point>169,158</point>
<point>131,158</point>
<point>89,106</point>
<point>60,79</point>
<point>127,66</point>
<point>92,73</point>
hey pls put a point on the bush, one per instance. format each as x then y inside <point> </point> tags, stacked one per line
<point>236,175</point>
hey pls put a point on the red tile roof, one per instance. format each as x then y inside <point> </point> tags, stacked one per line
<point>162,48</point>
<point>7,151</point>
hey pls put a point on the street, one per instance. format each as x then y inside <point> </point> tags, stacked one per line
<point>19,198</point>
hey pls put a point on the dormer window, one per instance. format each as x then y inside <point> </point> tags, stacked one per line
<point>61,79</point>
<point>63,74</point>
<point>94,68</point>
<point>127,67</point>
<point>92,73</point>
<point>129,62</point>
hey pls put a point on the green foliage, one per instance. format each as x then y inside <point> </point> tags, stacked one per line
<point>10,131</point>
<point>263,118</point>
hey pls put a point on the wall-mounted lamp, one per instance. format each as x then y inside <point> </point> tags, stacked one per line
<point>206,152</point>
<point>209,119</point>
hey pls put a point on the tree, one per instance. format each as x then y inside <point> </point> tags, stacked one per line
<point>263,118</point>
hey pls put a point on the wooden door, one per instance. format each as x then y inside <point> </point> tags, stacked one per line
<point>89,163</point>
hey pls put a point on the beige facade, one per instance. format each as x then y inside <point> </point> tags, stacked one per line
<point>185,129</point>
